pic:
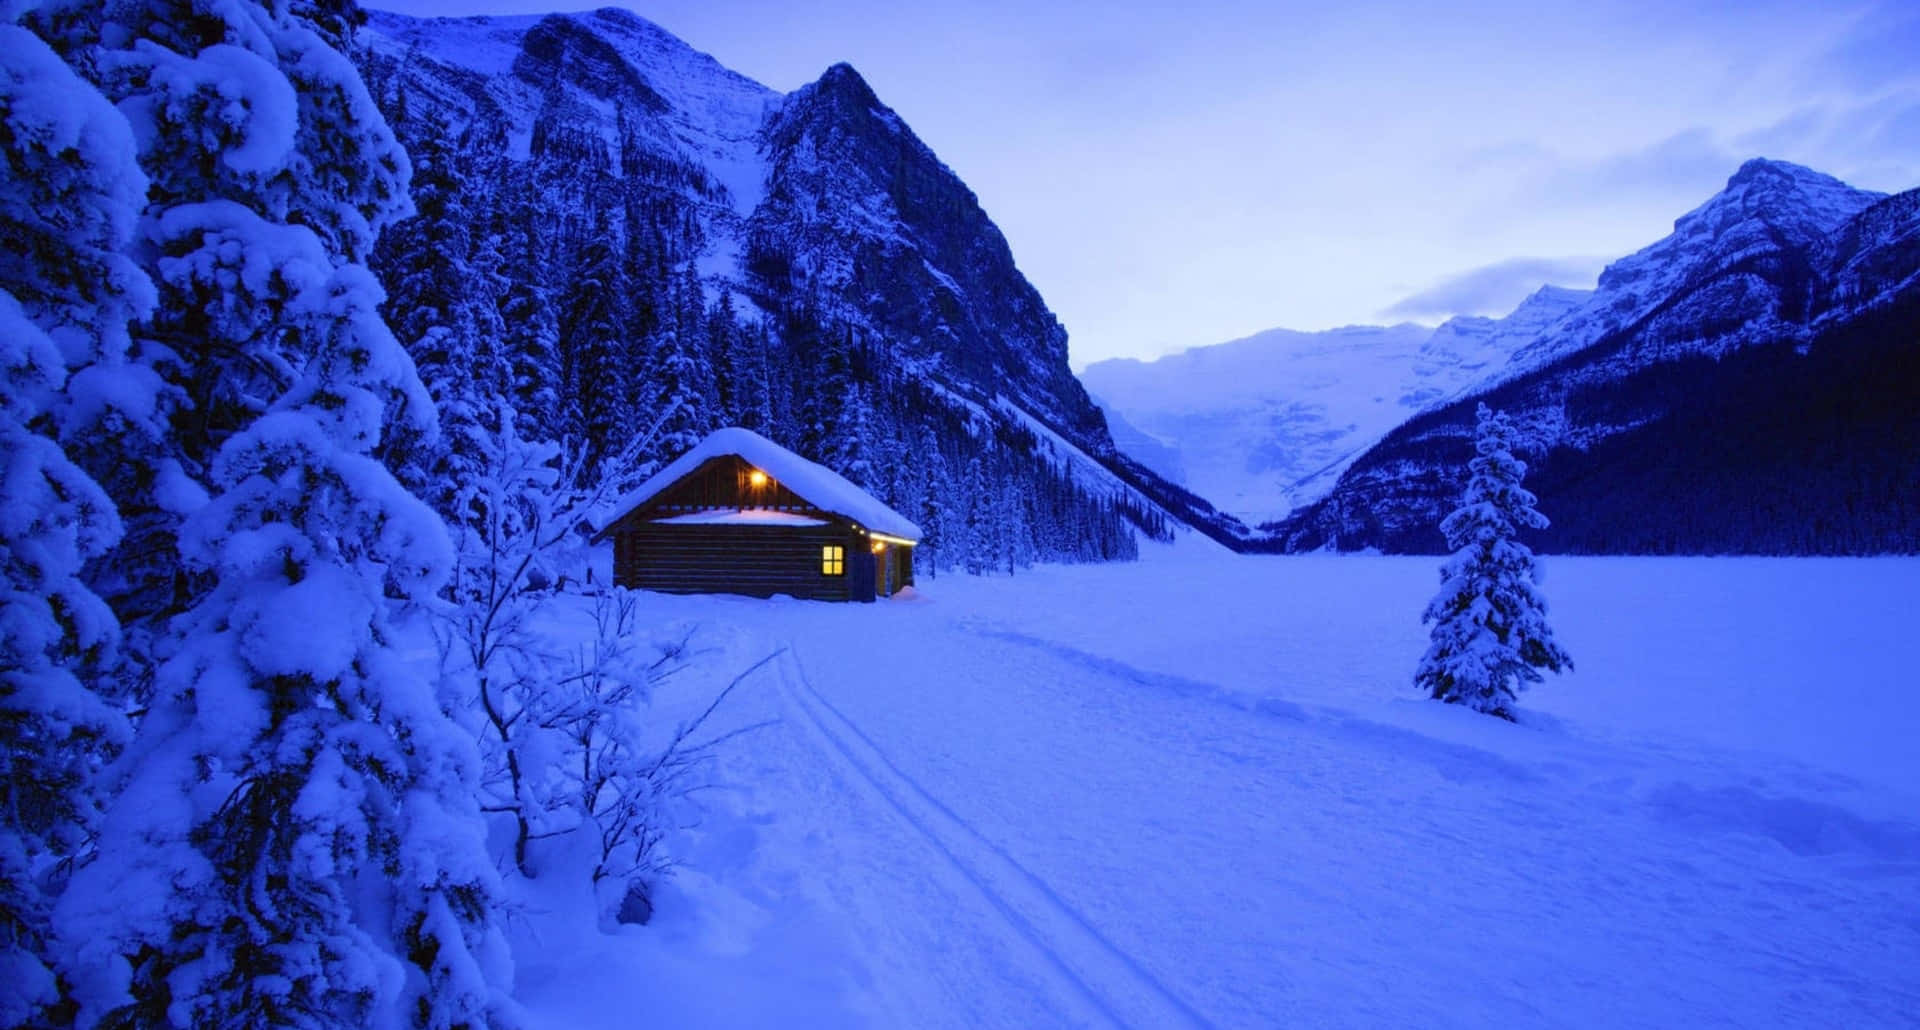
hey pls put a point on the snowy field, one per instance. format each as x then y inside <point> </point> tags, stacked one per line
<point>1199,790</point>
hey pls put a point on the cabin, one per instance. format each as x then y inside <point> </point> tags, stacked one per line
<point>739,514</point>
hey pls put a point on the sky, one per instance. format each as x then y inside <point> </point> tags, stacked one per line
<point>1173,175</point>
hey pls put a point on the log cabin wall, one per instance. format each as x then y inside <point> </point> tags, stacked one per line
<point>760,561</point>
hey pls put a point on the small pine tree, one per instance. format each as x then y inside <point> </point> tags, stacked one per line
<point>1490,634</point>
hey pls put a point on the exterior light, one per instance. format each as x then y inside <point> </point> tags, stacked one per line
<point>757,478</point>
<point>878,547</point>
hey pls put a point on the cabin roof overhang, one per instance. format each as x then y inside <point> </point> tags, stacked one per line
<point>820,486</point>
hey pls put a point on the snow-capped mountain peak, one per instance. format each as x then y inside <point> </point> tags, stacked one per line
<point>1267,423</point>
<point>1768,209</point>
<point>1765,205</point>
<point>1777,314</point>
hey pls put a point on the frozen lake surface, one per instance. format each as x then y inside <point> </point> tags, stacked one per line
<point>1199,790</point>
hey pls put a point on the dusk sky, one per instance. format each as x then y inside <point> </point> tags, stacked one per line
<point>1172,175</point>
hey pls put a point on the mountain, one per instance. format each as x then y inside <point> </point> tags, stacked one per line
<point>1749,384</point>
<point>668,243</point>
<point>1151,451</point>
<point>1267,424</point>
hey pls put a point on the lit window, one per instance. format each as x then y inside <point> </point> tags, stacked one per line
<point>833,560</point>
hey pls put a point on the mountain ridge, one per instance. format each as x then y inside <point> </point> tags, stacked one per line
<point>859,280</point>
<point>1744,385</point>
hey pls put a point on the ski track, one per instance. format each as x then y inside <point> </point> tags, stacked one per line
<point>1113,982</point>
<point>1217,821</point>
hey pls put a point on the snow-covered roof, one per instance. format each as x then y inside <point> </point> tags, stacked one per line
<point>741,517</point>
<point>821,486</point>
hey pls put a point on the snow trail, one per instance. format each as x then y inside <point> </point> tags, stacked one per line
<point>1185,793</point>
<point>1104,976</point>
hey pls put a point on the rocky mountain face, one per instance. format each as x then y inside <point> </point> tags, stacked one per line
<point>858,209</point>
<point>1162,458</point>
<point>670,236</point>
<point>1267,424</point>
<point>1750,384</point>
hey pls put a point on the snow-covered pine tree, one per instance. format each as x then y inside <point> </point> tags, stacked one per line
<point>295,841</point>
<point>678,384</point>
<point>595,323</point>
<point>755,387</point>
<point>443,302</point>
<point>69,199</point>
<point>1490,636</point>
<point>532,327</point>
<point>976,543</point>
<point>927,466</point>
<point>739,368</point>
<point>852,450</point>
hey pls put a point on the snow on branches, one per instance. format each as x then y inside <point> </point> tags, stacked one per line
<point>68,202</point>
<point>1490,636</point>
<point>295,839</point>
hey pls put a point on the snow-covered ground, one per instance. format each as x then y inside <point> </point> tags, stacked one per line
<point>1198,790</point>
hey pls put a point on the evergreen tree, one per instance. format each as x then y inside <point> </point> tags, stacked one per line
<point>295,840</point>
<point>68,203</point>
<point>978,534</point>
<point>678,383</point>
<point>531,331</point>
<point>754,389</point>
<point>1490,636</point>
<point>443,301</point>
<point>929,466</point>
<point>741,390</point>
<point>853,448</point>
<point>594,326</point>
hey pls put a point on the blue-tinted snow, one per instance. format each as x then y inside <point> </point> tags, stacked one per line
<point>1199,789</point>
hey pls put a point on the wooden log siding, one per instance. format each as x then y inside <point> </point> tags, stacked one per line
<point>758,560</point>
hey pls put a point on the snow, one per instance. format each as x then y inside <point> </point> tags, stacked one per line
<point>1072,461</point>
<point>1200,789</point>
<point>1267,424</point>
<point>741,517</point>
<point>823,487</point>
<point>1254,419</point>
<point>1765,206</point>
<point>260,106</point>
<point>714,117</point>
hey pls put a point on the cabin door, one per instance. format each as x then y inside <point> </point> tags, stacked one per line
<point>882,570</point>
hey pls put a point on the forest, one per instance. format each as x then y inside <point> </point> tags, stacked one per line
<point>304,418</point>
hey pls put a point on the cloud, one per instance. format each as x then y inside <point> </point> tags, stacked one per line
<point>1878,51</point>
<point>1691,164</point>
<point>1874,144</point>
<point>1495,289</point>
<point>1669,176</point>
